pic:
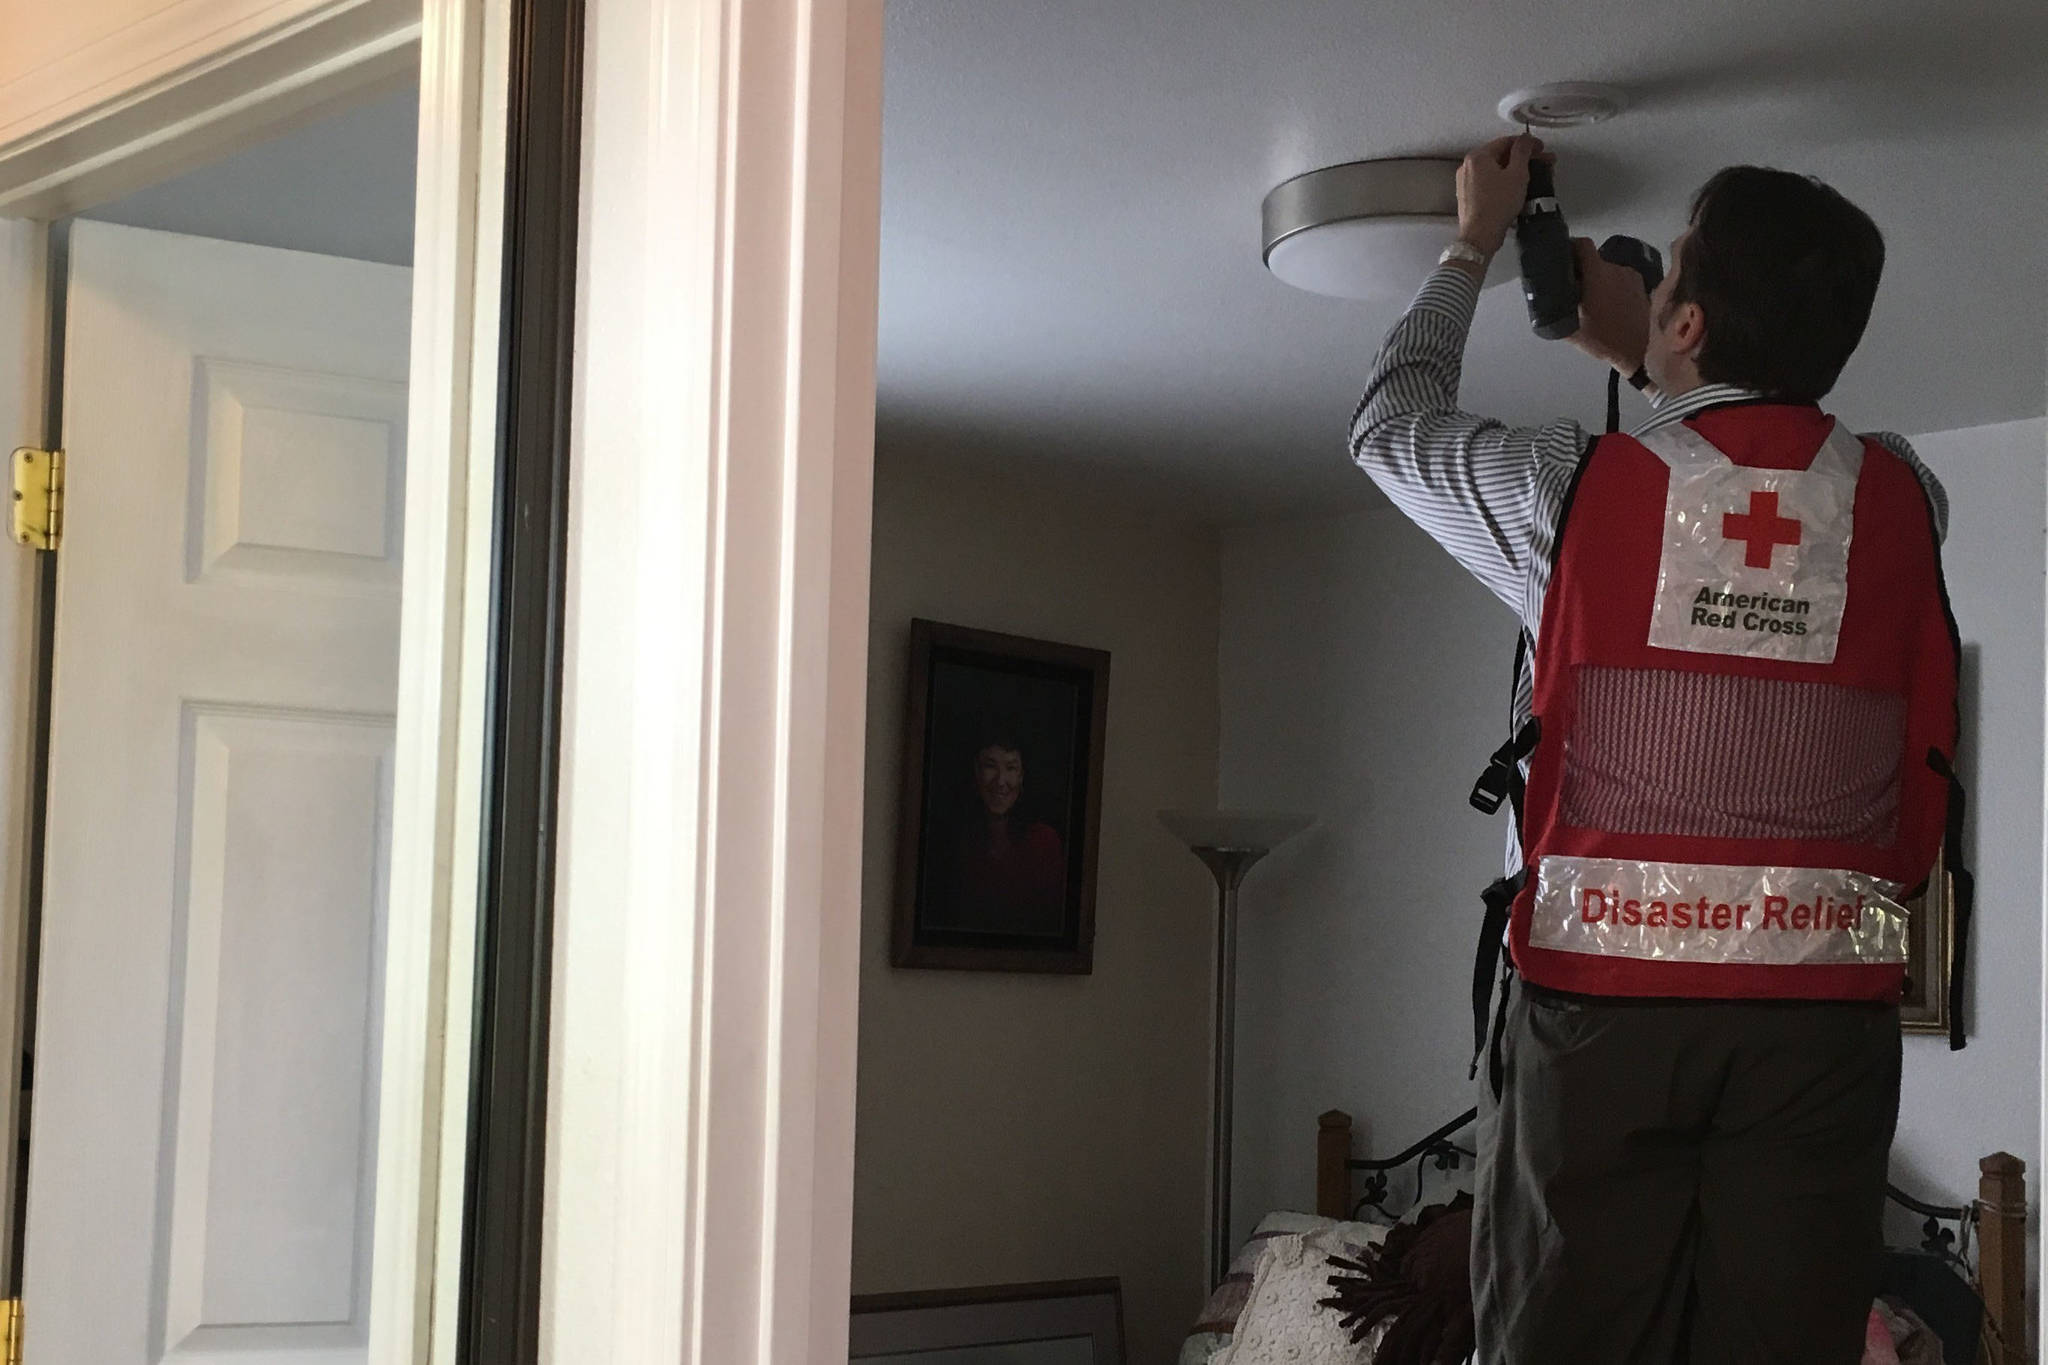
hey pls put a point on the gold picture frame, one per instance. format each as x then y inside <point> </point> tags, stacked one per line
<point>1930,954</point>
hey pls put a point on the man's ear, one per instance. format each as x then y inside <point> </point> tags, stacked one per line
<point>1688,331</point>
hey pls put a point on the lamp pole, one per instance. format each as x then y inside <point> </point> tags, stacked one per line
<point>1228,843</point>
<point>1228,866</point>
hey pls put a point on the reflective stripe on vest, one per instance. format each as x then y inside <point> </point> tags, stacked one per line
<point>1700,912</point>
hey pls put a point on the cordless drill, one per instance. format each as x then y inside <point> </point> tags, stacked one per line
<point>1550,273</point>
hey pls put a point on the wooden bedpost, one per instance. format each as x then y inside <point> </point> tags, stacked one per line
<point>2002,1253</point>
<point>1333,1174</point>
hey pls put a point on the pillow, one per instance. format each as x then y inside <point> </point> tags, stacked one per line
<point>1344,1239</point>
<point>1226,1301</point>
<point>1282,1323</point>
<point>1285,1221</point>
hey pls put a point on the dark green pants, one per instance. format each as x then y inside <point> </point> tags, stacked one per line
<point>1682,1183</point>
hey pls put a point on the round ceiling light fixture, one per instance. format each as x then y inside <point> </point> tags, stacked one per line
<point>1563,104</point>
<point>1365,229</point>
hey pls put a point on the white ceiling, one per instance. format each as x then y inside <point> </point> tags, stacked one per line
<point>1070,265</point>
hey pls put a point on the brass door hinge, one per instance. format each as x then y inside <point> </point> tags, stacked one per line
<point>38,497</point>
<point>10,1331</point>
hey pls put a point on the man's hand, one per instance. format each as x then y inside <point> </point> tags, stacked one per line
<point>1614,310</point>
<point>1491,186</point>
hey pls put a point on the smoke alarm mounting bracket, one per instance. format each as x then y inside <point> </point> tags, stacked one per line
<point>1564,104</point>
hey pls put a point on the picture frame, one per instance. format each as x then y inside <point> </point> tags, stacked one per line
<point>1930,954</point>
<point>1058,1322</point>
<point>1001,814</point>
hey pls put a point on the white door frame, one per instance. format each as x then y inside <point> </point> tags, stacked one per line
<point>205,77</point>
<point>708,863</point>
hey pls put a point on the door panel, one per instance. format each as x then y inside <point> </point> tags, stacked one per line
<point>299,474</point>
<point>284,839</point>
<point>203,1142</point>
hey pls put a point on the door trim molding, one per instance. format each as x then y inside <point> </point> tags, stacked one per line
<point>438,786</point>
<point>715,684</point>
<point>185,85</point>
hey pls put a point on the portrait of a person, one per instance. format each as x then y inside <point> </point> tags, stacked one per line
<point>1002,792</point>
<point>1009,870</point>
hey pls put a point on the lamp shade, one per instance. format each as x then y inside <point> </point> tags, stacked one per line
<point>1234,831</point>
<point>1364,229</point>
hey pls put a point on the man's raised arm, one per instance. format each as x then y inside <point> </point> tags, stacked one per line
<point>1468,481</point>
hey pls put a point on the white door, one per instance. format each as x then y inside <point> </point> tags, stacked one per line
<point>204,1116</point>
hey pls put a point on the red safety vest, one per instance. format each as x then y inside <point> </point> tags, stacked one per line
<point>1745,701</point>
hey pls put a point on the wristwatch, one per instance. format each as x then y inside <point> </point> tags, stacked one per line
<point>1462,250</point>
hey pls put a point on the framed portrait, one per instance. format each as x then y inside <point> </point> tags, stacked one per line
<point>1930,954</point>
<point>1069,1322</point>
<point>1002,802</point>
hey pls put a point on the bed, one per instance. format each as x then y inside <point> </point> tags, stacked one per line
<point>1984,1242</point>
<point>1957,1297</point>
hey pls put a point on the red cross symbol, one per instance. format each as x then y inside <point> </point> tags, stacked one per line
<point>1762,527</point>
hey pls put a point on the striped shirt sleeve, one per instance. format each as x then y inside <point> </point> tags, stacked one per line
<point>1937,496</point>
<point>1473,484</point>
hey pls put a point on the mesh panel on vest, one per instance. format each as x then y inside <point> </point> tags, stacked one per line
<point>1661,751</point>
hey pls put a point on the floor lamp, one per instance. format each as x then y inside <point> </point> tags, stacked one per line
<point>1228,842</point>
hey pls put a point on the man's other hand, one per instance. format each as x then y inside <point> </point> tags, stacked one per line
<point>1491,186</point>
<point>1614,312</point>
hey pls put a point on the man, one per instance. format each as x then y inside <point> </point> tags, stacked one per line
<point>1741,670</point>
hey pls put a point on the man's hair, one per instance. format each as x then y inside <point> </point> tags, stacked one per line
<point>1785,270</point>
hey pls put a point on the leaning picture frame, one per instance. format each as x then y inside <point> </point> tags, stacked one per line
<point>1059,1322</point>
<point>1930,954</point>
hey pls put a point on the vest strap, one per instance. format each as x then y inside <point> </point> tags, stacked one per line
<point>1502,778</point>
<point>1499,900</point>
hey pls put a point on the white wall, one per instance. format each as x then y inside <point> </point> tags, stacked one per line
<point>1022,1127</point>
<point>1956,1107</point>
<point>1364,677</point>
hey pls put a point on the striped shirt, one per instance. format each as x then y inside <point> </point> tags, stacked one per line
<point>1489,493</point>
